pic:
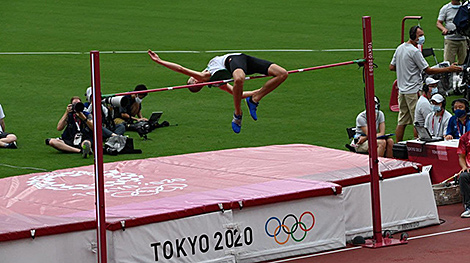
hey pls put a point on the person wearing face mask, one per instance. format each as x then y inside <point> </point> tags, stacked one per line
<point>423,106</point>
<point>437,121</point>
<point>360,142</point>
<point>409,63</point>
<point>460,122</point>
<point>133,111</point>
<point>454,43</point>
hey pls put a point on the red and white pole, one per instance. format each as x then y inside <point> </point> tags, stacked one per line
<point>378,240</point>
<point>98,156</point>
<point>371,129</point>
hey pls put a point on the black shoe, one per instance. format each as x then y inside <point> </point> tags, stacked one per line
<point>11,145</point>
<point>86,149</point>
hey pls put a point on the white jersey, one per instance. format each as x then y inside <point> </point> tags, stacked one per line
<point>218,63</point>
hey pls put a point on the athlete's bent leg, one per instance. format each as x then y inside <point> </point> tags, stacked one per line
<point>279,76</point>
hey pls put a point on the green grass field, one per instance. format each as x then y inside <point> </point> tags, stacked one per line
<point>311,107</point>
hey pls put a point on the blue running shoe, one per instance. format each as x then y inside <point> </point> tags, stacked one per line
<point>252,106</point>
<point>237,123</point>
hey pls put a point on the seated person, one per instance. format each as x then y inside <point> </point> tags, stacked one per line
<point>109,127</point>
<point>7,140</point>
<point>384,146</point>
<point>78,130</point>
<point>432,85</point>
<point>436,122</point>
<point>460,122</point>
<point>133,111</point>
<point>423,106</point>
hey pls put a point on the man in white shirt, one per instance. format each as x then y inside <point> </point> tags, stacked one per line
<point>454,43</point>
<point>235,66</point>
<point>423,106</point>
<point>409,63</point>
<point>7,140</point>
<point>436,122</point>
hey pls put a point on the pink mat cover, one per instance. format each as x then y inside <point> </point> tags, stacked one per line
<point>164,188</point>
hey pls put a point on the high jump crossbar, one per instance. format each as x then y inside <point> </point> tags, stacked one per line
<point>218,82</point>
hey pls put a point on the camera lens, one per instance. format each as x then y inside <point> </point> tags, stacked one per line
<point>78,107</point>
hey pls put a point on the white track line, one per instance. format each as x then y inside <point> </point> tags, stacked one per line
<point>440,233</point>
<point>191,51</point>
<point>358,247</point>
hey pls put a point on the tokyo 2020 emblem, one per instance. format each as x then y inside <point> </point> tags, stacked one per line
<point>289,226</point>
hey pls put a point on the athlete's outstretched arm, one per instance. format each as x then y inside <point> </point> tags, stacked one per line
<point>199,76</point>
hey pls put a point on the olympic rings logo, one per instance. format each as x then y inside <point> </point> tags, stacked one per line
<point>299,223</point>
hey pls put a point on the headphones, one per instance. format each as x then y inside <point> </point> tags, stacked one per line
<point>377,102</point>
<point>464,101</point>
<point>413,31</point>
<point>426,88</point>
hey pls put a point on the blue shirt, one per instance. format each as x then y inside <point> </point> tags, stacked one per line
<point>456,128</point>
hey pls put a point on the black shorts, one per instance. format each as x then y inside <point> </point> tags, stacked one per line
<point>250,65</point>
<point>3,135</point>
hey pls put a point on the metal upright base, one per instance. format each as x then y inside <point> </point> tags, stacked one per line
<point>386,242</point>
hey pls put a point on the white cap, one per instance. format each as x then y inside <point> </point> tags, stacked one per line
<point>437,98</point>
<point>430,81</point>
<point>88,94</point>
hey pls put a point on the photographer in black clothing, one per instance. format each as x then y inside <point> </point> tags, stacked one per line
<point>78,130</point>
<point>133,111</point>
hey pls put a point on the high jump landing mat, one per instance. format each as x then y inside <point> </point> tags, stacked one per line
<point>236,205</point>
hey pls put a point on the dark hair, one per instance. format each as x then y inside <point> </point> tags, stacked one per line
<point>463,101</point>
<point>413,31</point>
<point>426,88</point>
<point>75,97</point>
<point>141,87</point>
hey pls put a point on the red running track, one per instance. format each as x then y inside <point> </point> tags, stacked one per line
<point>447,242</point>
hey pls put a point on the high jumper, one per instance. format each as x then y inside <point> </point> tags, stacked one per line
<point>236,66</point>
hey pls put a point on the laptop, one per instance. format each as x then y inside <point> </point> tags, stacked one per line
<point>425,136</point>
<point>155,117</point>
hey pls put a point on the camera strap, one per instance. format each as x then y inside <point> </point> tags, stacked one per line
<point>78,136</point>
<point>77,122</point>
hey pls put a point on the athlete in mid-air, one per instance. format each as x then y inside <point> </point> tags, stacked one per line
<point>235,66</point>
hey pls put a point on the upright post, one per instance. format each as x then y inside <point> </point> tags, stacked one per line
<point>371,129</point>
<point>98,156</point>
<point>378,239</point>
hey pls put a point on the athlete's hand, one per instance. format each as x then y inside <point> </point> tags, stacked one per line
<point>154,56</point>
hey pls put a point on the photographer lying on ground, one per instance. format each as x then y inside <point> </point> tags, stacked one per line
<point>78,134</point>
